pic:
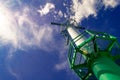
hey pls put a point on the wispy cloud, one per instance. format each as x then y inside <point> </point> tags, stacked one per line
<point>31,33</point>
<point>21,31</point>
<point>84,8</point>
<point>62,65</point>
<point>58,14</point>
<point>7,29</point>
<point>44,10</point>
<point>18,29</point>
<point>110,3</point>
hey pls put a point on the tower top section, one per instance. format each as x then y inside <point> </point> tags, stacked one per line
<point>86,46</point>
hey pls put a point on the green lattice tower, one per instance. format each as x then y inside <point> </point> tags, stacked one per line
<point>92,53</point>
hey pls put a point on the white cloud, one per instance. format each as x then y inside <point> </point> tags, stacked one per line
<point>20,31</point>
<point>65,15</point>
<point>110,3</point>
<point>7,28</point>
<point>46,9</point>
<point>60,13</point>
<point>62,65</point>
<point>84,8</point>
<point>30,33</point>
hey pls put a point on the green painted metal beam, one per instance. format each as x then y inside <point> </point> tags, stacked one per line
<point>105,69</point>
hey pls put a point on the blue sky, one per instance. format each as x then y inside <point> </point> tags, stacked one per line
<point>32,49</point>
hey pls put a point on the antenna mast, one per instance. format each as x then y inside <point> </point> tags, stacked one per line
<point>91,52</point>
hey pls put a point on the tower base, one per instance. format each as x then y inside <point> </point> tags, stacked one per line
<point>105,69</point>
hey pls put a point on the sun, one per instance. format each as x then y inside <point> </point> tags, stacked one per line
<point>3,18</point>
<point>7,26</point>
<point>4,22</point>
